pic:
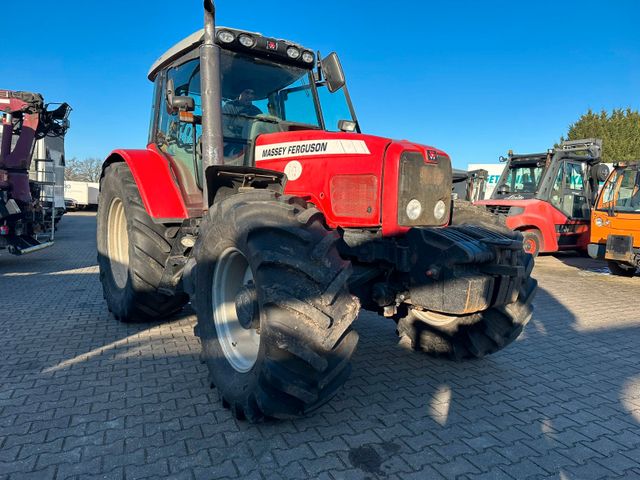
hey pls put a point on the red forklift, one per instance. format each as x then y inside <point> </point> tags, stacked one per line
<point>548,196</point>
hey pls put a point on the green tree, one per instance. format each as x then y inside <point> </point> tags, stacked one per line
<point>619,131</point>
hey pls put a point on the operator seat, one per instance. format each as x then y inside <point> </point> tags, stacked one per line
<point>258,127</point>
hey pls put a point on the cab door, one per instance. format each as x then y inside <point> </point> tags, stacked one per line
<point>570,195</point>
<point>617,212</point>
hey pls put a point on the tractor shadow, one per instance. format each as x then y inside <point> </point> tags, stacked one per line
<point>561,402</point>
<point>577,261</point>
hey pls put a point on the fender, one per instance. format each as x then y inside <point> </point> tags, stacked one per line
<point>536,220</point>
<point>158,189</point>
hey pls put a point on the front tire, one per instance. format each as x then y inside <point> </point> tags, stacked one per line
<point>132,251</point>
<point>621,269</point>
<point>531,242</point>
<point>274,312</point>
<point>463,337</point>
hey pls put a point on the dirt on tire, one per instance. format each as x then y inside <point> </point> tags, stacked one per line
<point>305,309</point>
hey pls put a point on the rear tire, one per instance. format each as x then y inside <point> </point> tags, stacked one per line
<point>621,269</point>
<point>471,336</point>
<point>276,335</point>
<point>132,251</point>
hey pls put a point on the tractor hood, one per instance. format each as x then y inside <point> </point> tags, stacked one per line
<point>342,173</point>
<point>319,143</point>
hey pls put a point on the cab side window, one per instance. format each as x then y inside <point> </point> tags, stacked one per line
<point>568,194</point>
<point>179,139</point>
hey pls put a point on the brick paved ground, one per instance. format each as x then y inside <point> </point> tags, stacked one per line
<point>82,395</point>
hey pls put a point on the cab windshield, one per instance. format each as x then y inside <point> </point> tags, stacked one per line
<point>622,191</point>
<point>259,97</point>
<point>521,179</point>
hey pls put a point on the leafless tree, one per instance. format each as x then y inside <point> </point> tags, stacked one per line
<point>87,170</point>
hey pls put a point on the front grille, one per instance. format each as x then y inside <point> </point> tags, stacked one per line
<point>426,182</point>
<point>499,209</point>
<point>354,196</point>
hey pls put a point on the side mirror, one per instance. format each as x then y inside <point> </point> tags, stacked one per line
<point>602,172</point>
<point>183,104</point>
<point>178,103</point>
<point>333,72</point>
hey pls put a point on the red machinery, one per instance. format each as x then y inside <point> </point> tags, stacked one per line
<point>259,199</point>
<point>548,196</point>
<point>24,119</point>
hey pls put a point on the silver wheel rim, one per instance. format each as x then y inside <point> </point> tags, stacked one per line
<point>118,243</point>
<point>432,318</point>
<point>239,344</point>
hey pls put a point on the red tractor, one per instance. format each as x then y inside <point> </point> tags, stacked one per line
<point>548,196</point>
<point>259,199</point>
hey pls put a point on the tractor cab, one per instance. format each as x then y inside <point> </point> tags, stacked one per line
<point>266,86</point>
<point>521,177</point>
<point>548,196</point>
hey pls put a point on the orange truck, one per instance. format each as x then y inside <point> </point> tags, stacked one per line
<point>615,221</point>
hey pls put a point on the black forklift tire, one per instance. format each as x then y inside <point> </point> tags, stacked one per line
<point>466,213</point>
<point>473,336</point>
<point>268,266</point>
<point>531,242</point>
<point>131,266</point>
<point>621,269</point>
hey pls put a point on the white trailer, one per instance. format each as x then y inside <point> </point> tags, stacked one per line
<point>81,195</point>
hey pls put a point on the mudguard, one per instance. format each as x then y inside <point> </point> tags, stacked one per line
<point>535,219</point>
<point>158,188</point>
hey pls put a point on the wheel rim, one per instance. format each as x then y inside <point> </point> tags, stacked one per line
<point>118,243</point>
<point>231,279</point>
<point>432,318</point>
<point>529,246</point>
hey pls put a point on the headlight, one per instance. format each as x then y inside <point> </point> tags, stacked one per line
<point>515,211</point>
<point>599,222</point>
<point>293,52</point>
<point>247,40</point>
<point>307,57</point>
<point>226,37</point>
<point>414,209</point>
<point>439,210</point>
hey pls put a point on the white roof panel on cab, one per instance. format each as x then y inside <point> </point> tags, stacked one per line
<point>183,46</point>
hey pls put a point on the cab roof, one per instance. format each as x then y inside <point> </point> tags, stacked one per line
<point>192,42</point>
<point>185,45</point>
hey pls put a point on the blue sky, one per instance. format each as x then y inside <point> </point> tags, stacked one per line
<point>472,78</point>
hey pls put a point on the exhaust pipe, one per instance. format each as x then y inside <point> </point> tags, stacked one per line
<point>212,140</point>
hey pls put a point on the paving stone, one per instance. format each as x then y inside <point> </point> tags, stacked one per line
<point>95,398</point>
